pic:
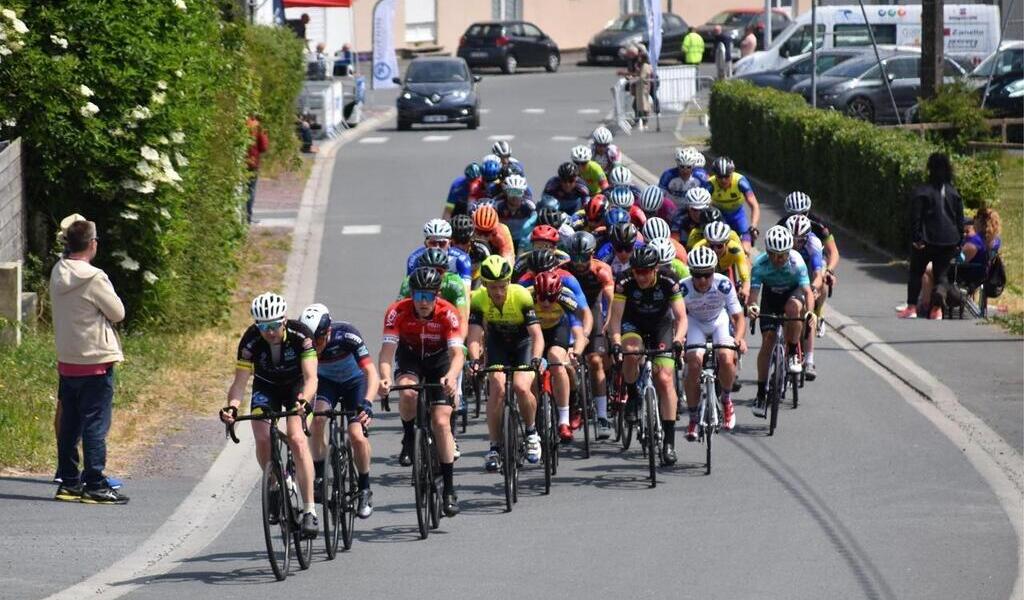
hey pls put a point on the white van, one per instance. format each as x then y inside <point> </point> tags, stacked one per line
<point>972,33</point>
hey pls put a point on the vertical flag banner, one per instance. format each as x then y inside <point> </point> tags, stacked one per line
<point>279,18</point>
<point>385,62</point>
<point>652,10</point>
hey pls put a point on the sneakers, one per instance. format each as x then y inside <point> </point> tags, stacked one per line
<point>533,448</point>
<point>794,365</point>
<point>604,429</point>
<point>114,483</point>
<point>405,456</point>
<point>364,508</point>
<point>457,452</point>
<point>728,416</point>
<point>318,495</point>
<point>669,455</point>
<point>565,433</point>
<point>821,327</point>
<point>310,526</point>
<point>576,419</point>
<point>760,407</point>
<point>491,461</point>
<point>451,504</point>
<point>691,432</point>
<point>810,373</point>
<point>909,312</point>
<point>103,495</point>
<point>68,493</point>
<point>935,314</point>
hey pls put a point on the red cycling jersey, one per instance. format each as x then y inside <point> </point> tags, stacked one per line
<point>425,337</point>
<point>593,278</point>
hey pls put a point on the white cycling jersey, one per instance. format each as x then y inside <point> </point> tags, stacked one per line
<point>707,307</point>
<point>678,187</point>
<point>609,159</point>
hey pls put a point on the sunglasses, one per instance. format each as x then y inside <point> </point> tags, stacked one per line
<point>619,248</point>
<point>642,271</point>
<point>701,275</point>
<point>716,246</point>
<point>423,296</point>
<point>437,243</point>
<point>268,326</point>
<point>778,254</point>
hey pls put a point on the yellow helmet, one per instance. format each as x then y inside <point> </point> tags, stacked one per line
<point>495,268</point>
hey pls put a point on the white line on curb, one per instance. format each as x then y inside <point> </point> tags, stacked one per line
<point>360,229</point>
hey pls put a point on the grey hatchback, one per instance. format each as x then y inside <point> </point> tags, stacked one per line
<point>785,78</point>
<point>508,45</point>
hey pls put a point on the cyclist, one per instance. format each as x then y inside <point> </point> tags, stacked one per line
<point>559,221</point>
<point>568,188</point>
<point>422,334</point>
<point>505,310</point>
<point>466,188</point>
<point>732,260</point>
<point>810,249</point>
<point>707,216</point>
<point>278,353</point>
<point>478,251</point>
<point>729,192</point>
<point>543,237</point>
<point>686,175</point>
<point>684,221</point>
<point>592,217</point>
<point>654,203</point>
<point>605,152</point>
<point>590,171</point>
<point>623,197</point>
<point>799,203</point>
<point>516,209</point>
<point>544,260</point>
<point>462,233</point>
<point>489,229</point>
<point>621,176</point>
<point>787,290</point>
<point>668,264</point>
<point>490,165</point>
<point>503,150</point>
<point>345,374</point>
<point>657,228</point>
<point>623,239</point>
<point>713,310</point>
<point>437,233</point>
<point>648,311</point>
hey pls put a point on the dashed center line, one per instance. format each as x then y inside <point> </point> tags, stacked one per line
<point>533,111</point>
<point>373,140</point>
<point>563,138</point>
<point>484,111</point>
<point>360,230</point>
<point>436,138</point>
<point>503,137</point>
<point>589,111</point>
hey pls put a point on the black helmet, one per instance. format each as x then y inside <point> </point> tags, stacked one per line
<point>478,251</point>
<point>710,215</point>
<point>542,260</point>
<point>462,228</point>
<point>644,257</point>
<point>435,258</point>
<point>568,171</point>
<point>425,278</point>
<point>551,216</point>
<point>582,244</point>
<point>723,166</point>
<point>623,233</point>
<point>512,168</point>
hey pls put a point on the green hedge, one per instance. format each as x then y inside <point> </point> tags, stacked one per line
<point>858,173</point>
<point>275,56</point>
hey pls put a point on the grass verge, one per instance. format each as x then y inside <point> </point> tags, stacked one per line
<point>1010,206</point>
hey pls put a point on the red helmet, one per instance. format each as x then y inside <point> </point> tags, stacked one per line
<point>544,233</point>
<point>596,208</point>
<point>548,285</point>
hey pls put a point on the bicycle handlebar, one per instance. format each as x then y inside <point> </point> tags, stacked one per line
<point>385,401</point>
<point>713,347</point>
<point>806,319</point>
<point>229,428</point>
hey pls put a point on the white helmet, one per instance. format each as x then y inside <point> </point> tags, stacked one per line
<point>268,306</point>
<point>317,318</point>
<point>666,251</point>
<point>651,199</point>
<point>621,197</point>
<point>437,228</point>
<point>501,148</point>
<point>620,175</point>
<point>698,198</point>
<point>685,157</point>
<point>656,228</point>
<point>698,158</point>
<point>717,232</point>
<point>581,154</point>
<point>702,259</point>
<point>778,239</point>
<point>798,203</point>
<point>515,185</point>
<point>602,135</point>
<point>799,225</point>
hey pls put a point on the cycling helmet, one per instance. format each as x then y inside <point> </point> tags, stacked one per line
<point>515,186</point>
<point>581,154</point>
<point>620,175</point>
<point>317,318</point>
<point>651,199</point>
<point>437,228</point>
<point>425,278</point>
<point>462,228</point>
<point>485,219</point>
<point>666,251</point>
<point>547,285</point>
<point>495,268</point>
<point>582,245</point>
<point>798,203</point>
<point>602,135</point>
<point>698,198</point>
<point>655,228</point>
<point>502,149</point>
<point>717,232</point>
<point>478,251</point>
<point>544,233</point>
<point>710,215</point>
<point>512,168</point>
<point>621,197</point>
<point>596,208</point>
<point>551,216</point>
<point>539,261</point>
<point>778,239</point>
<point>799,225</point>
<point>435,258</point>
<point>644,257</point>
<point>698,158</point>
<point>568,171</point>
<point>615,215</point>
<point>723,166</point>
<point>702,260</point>
<point>491,168</point>
<point>685,158</point>
<point>473,171</point>
<point>268,306</point>
<point>623,233</point>
<point>547,202</point>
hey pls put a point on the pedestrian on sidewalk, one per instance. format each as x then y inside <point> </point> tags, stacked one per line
<point>936,215</point>
<point>640,84</point>
<point>693,47</point>
<point>85,307</point>
<point>723,53</point>
<point>260,144</point>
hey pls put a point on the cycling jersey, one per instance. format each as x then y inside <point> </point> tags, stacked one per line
<point>682,224</point>
<point>519,220</point>
<point>811,252</point>
<point>675,269</point>
<point>675,186</point>
<point>647,308</point>
<point>594,176</point>
<point>611,158</point>
<point>521,268</point>
<point>697,235</point>
<point>508,321</point>
<point>459,262</point>
<point>728,199</point>
<point>707,306</point>
<point>734,258</point>
<point>496,191</point>
<point>571,201</point>
<point>462,191</point>
<point>618,266</point>
<point>667,210</point>
<point>256,355</point>
<point>606,252</point>
<point>500,242</point>
<point>819,227</point>
<point>563,310</point>
<point>453,289</point>
<point>422,337</point>
<point>791,275</point>
<point>594,278</point>
<point>344,354</point>
<point>568,281</point>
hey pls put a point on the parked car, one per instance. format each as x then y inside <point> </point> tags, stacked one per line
<point>606,47</point>
<point>1008,59</point>
<point>438,90</point>
<point>508,45</point>
<point>1006,95</point>
<point>856,87</point>
<point>784,79</point>
<point>734,23</point>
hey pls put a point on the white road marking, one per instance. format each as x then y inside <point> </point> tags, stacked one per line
<point>484,111</point>
<point>589,111</point>
<point>533,111</point>
<point>373,140</point>
<point>360,230</point>
<point>505,137</point>
<point>436,138</point>
<point>563,138</point>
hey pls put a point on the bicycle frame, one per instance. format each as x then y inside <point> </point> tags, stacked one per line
<point>426,466</point>
<point>513,443</point>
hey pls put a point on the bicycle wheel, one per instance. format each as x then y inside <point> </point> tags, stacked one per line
<point>349,490</point>
<point>477,391</point>
<point>776,388</point>
<point>794,381</point>
<point>435,485</point>
<point>508,456</point>
<point>331,495</point>
<point>650,435</point>
<point>585,403</point>
<point>421,483</point>
<point>303,545</point>
<point>276,528</point>
<point>711,419</point>
<point>546,443</point>
<point>556,442</point>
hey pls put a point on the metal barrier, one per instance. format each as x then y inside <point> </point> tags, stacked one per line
<point>622,106</point>
<point>677,87</point>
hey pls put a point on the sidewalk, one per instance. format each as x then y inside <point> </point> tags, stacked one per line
<point>979,362</point>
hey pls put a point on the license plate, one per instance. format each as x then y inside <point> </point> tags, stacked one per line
<point>478,55</point>
<point>435,119</point>
<point>603,58</point>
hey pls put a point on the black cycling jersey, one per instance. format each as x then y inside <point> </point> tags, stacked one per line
<point>819,227</point>
<point>256,354</point>
<point>647,307</point>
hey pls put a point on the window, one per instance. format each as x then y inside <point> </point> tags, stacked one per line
<point>828,61</point>
<point>1007,61</point>
<point>506,10</point>
<point>514,29</point>
<point>857,35</point>
<point>485,31</point>
<point>531,31</point>
<point>629,23</point>
<point>800,42</point>
<point>779,22</point>
<point>904,68</point>
<point>670,21</point>
<point>803,67</point>
<point>951,69</point>
<point>435,71</point>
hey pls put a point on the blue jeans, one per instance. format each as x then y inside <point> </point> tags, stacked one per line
<point>86,404</point>
<point>252,197</point>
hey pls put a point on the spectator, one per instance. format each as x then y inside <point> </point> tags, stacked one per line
<point>343,61</point>
<point>693,47</point>
<point>936,215</point>
<point>749,43</point>
<point>260,144</point>
<point>306,133</point>
<point>723,52</point>
<point>299,27</point>
<point>85,306</point>
<point>640,81</point>
<point>317,68</point>
<point>981,244</point>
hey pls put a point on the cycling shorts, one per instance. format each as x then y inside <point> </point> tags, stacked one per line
<point>350,394</point>
<point>658,338</point>
<point>739,222</point>
<point>697,332</point>
<point>559,335</point>
<point>275,398</point>
<point>774,302</point>
<point>510,353</point>
<point>427,369</point>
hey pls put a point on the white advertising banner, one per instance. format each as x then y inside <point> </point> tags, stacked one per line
<point>385,62</point>
<point>652,9</point>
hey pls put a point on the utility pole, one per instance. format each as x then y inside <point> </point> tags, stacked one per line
<point>932,42</point>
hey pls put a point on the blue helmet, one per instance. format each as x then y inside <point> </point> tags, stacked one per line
<point>615,215</point>
<point>491,170</point>
<point>547,201</point>
<point>473,171</point>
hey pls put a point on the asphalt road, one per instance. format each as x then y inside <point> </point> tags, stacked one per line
<point>856,496</point>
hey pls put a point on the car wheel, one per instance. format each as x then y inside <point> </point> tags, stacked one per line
<point>404,125</point>
<point>475,121</point>
<point>861,108</point>
<point>510,65</point>
<point>553,61</point>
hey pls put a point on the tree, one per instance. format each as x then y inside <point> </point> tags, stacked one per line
<point>932,27</point>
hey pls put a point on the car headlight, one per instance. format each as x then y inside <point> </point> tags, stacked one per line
<point>459,95</point>
<point>407,96</point>
<point>1015,89</point>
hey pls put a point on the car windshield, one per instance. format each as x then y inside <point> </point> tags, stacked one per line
<point>488,30</point>
<point>729,19</point>
<point>1008,61</point>
<point>628,23</point>
<point>435,71</point>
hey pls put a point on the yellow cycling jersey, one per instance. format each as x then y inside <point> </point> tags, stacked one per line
<point>734,257</point>
<point>508,320</point>
<point>727,199</point>
<point>697,235</point>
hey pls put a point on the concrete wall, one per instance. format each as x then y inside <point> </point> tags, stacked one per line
<point>12,213</point>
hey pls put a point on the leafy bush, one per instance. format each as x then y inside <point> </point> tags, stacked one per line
<point>858,173</point>
<point>275,56</point>
<point>958,105</point>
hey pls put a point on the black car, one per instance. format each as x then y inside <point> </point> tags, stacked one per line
<point>785,78</point>
<point>508,45</point>
<point>438,90</point>
<point>734,24</point>
<point>1005,95</point>
<point>606,47</point>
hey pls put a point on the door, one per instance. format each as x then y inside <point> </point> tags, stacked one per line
<point>517,43</point>
<point>905,80</point>
<point>538,50</point>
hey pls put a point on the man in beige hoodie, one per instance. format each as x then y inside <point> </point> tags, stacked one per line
<point>85,307</point>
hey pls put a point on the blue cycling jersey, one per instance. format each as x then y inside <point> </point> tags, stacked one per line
<point>607,251</point>
<point>812,254</point>
<point>571,201</point>
<point>569,282</point>
<point>458,191</point>
<point>792,274</point>
<point>343,355</point>
<point>458,262</point>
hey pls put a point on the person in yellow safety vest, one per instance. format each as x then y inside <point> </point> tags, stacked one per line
<point>693,48</point>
